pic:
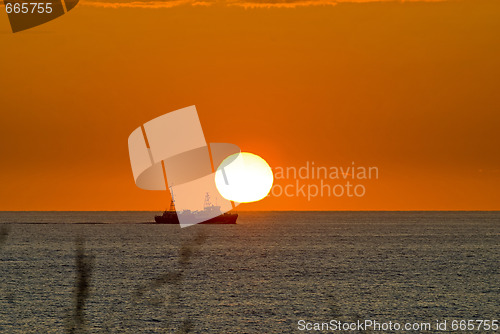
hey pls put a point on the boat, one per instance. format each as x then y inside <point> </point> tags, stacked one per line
<point>212,212</point>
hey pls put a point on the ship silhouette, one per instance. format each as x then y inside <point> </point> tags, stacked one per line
<point>212,213</point>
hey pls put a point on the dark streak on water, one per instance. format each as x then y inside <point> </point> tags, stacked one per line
<point>260,276</point>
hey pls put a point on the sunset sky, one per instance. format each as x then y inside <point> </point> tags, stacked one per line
<point>412,88</point>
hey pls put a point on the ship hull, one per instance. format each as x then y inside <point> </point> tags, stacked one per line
<point>222,219</point>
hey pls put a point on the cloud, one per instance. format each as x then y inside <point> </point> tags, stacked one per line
<point>230,3</point>
<point>141,4</point>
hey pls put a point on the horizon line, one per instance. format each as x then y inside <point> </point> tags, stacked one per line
<point>382,210</point>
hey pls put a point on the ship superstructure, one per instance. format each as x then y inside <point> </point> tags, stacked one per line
<point>211,214</point>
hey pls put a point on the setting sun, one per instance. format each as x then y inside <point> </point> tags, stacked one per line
<point>244,177</point>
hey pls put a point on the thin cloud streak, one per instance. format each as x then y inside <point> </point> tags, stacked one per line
<point>141,4</point>
<point>233,3</point>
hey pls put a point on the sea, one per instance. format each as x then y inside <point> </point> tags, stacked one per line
<point>272,272</point>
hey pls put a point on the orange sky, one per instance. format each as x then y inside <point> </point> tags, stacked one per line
<point>411,88</point>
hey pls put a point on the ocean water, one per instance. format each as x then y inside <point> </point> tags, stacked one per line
<point>262,275</point>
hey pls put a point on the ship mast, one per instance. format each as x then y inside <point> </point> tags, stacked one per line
<point>207,201</point>
<point>172,201</point>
